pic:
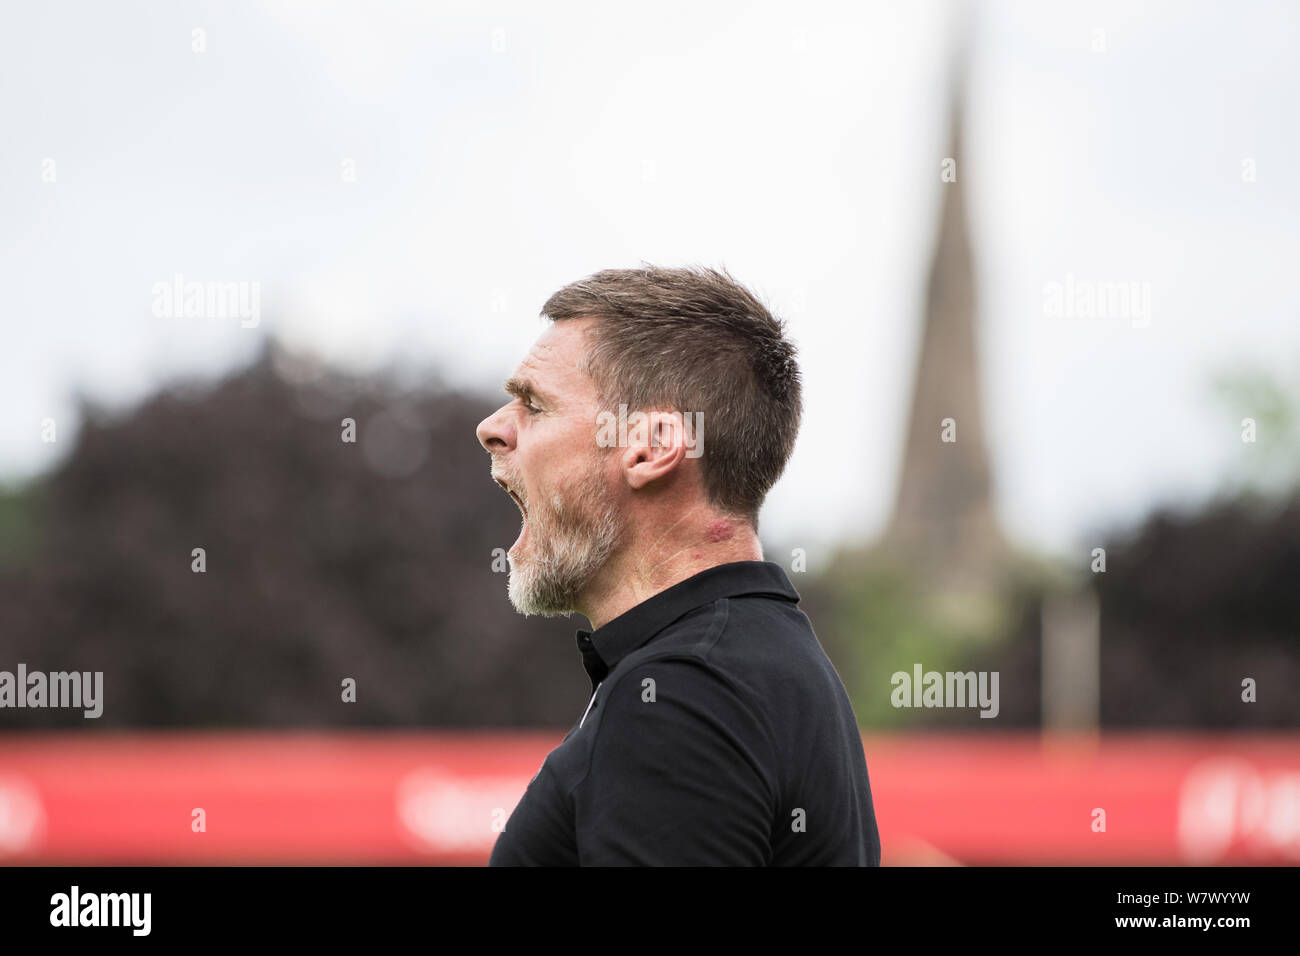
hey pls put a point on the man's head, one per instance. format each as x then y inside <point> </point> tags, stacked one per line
<point>692,374</point>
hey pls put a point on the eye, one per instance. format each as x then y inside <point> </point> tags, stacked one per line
<point>532,409</point>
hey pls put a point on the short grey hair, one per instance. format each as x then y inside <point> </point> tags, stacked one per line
<point>695,340</point>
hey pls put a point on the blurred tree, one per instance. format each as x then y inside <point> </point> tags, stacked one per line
<point>875,619</point>
<point>324,560</point>
<point>1270,464</point>
<point>1191,605</point>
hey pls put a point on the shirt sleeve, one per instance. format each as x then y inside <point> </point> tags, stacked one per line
<point>677,774</point>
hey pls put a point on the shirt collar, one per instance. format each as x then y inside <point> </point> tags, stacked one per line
<point>604,647</point>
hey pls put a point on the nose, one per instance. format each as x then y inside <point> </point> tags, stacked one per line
<point>496,433</point>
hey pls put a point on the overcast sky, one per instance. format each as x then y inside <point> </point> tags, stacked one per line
<point>502,149</point>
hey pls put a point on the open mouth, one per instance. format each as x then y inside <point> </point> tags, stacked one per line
<point>513,495</point>
<point>522,509</point>
<point>523,529</point>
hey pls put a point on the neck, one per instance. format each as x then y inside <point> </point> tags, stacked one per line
<point>657,559</point>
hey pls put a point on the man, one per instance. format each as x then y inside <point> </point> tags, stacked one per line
<point>648,423</point>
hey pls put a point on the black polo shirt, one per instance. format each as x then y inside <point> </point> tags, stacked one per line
<point>718,733</point>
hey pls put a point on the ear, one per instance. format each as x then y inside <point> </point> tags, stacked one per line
<point>656,446</point>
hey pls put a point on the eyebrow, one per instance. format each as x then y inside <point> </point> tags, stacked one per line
<point>523,389</point>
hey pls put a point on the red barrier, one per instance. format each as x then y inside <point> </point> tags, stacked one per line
<point>397,797</point>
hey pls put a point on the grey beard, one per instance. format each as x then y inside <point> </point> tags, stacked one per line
<point>569,550</point>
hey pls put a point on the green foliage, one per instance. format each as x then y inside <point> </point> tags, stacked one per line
<point>876,620</point>
<point>1270,465</point>
<point>19,526</point>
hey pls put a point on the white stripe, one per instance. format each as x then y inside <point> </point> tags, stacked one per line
<point>589,703</point>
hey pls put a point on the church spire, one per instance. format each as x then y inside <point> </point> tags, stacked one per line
<point>943,524</point>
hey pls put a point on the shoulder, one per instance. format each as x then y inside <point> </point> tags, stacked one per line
<point>677,710</point>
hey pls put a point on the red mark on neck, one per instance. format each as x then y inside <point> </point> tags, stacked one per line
<point>718,531</point>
